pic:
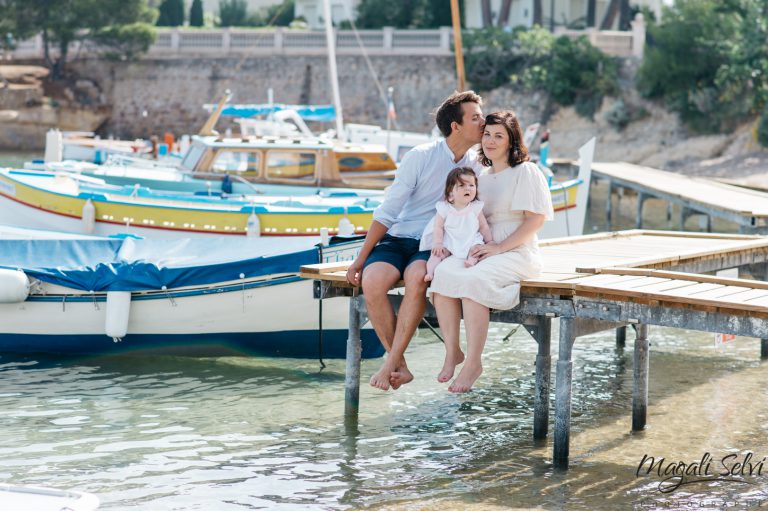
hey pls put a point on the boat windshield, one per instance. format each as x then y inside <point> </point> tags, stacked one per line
<point>192,157</point>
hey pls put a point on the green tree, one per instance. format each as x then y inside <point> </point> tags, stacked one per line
<point>196,14</point>
<point>171,13</point>
<point>233,13</point>
<point>708,60</point>
<point>280,15</point>
<point>404,13</point>
<point>63,22</point>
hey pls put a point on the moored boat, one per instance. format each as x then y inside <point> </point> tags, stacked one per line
<point>72,203</point>
<point>232,295</point>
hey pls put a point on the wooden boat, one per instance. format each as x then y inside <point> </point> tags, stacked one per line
<point>230,295</point>
<point>72,203</point>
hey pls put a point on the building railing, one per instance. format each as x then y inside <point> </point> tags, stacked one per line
<point>181,42</point>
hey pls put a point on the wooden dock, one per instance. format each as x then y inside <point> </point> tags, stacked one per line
<point>601,282</point>
<point>693,195</point>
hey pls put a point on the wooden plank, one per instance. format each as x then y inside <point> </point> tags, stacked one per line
<point>755,284</point>
<point>325,267</point>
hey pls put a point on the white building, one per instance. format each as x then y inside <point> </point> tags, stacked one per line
<point>253,5</point>
<point>566,12</point>
<point>312,11</point>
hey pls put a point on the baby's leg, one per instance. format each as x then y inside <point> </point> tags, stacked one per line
<point>432,263</point>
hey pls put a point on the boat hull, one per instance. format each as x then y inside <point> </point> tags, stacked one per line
<point>271,317</point>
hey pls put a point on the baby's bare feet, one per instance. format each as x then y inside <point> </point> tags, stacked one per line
<point>470,261</point>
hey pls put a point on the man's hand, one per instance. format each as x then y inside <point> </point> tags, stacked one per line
<point>354,272</point>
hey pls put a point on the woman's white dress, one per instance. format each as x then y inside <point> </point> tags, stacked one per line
<point>461,228</point>
<point>495,281</point>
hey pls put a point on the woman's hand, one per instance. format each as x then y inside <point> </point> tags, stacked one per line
<point>438,250</point>
<point>483,251</point>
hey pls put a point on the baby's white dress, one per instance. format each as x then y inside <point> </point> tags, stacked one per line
<point>495,281</point>
<point>461,229</point>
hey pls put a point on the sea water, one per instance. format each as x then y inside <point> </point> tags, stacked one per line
<point>164,432</point>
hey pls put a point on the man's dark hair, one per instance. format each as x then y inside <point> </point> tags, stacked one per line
<point>451,111</point>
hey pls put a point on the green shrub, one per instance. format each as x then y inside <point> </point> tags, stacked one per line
<point>762,128</point>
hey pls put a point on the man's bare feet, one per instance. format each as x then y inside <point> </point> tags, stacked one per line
<point>400,377</point>
<point>380,379</point>
<point>466,378</point>
<point>449,366</point>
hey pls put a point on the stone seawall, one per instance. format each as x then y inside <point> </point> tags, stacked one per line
<point>154,96</point>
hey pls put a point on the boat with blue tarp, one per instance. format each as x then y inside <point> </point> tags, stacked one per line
<point>230,295</point>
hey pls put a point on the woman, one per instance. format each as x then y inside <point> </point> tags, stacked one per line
<point>517,203</point>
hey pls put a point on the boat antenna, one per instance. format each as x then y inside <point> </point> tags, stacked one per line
<point>456,19</point>
<point>207,129</point>
<point>330,41</point>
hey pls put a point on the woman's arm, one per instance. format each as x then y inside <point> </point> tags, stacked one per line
<point>530,226</point>
<point>485,229</point>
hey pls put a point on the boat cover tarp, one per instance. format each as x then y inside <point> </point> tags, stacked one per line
<point>323,113</point>
<point>143,264</point>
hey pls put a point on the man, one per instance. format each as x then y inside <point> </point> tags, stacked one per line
<point>391,248</point>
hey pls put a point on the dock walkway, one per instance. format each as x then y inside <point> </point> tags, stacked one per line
<point>693,195</point>
<point>601,282</point>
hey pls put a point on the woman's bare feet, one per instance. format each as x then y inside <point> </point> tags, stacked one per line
<point>449,366</point>
<point>466,378</point>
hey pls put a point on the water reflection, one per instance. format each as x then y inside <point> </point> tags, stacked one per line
<point>167,432</point>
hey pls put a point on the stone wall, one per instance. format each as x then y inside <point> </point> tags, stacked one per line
<point>153,96</point>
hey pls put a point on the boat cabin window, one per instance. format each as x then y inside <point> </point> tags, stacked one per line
<point>192,157</point>
<point>236,161</point>
<point>291,165</point>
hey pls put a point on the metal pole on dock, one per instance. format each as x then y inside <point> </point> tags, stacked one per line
<point>640,376</point>
<point>354,354</point>
<point>563,392</point>
<point>542,335</point>
<point>621,336</point>
<point>763,349</point>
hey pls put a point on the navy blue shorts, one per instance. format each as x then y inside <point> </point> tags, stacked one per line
<point>399,252</point>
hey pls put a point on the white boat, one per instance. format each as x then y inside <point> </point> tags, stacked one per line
<point>232,295</point>
<point>31,498</point>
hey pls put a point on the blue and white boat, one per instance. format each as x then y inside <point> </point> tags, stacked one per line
<point>231,295</point>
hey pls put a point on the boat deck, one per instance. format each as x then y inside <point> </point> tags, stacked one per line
<point>694,195</point>
<point>601,282</point>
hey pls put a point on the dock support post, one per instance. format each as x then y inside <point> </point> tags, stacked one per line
<point>621,336</point>
<point>641,198</point>
<point>354,353</point>
<point>543,332</point>
<point>563,393</point>
<point>669,212</point>
<point>640,388</point>
<point>764,349</point>
<point>609,205</point>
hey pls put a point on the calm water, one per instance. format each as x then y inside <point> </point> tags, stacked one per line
<point>180,433</point>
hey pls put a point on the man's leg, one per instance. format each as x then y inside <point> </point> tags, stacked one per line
<point>410,315</point>
<point>378,279</point>
<point>394,371</point>
<point>476,318</point>
<point>449,317</point>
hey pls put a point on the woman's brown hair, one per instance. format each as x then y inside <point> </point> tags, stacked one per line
<point>454,178</point>
<point>518,153</point>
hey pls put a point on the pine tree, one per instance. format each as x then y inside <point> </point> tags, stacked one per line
<point>171,13</point>
<point>196,14</point>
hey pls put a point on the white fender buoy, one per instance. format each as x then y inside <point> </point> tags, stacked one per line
<point>54,146</point>
<point>14,286</point>
<point>345,227</point>
<point>89,217</point>
<point>118,312</point>
<point>253,226</point>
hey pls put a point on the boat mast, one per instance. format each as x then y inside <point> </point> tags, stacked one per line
<point>207,129</point>
<point>330,41</point>
<point>456,18</point>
